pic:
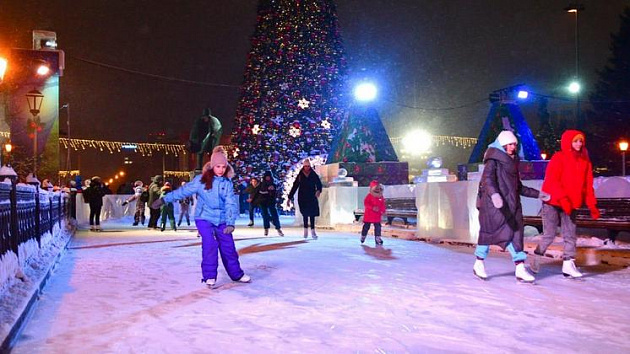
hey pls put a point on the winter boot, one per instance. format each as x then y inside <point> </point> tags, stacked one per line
<point>280,233</point>
<point>251,223</point>
<point>569,269</point>
<point>305,232</point>
<point>266,232</point>
<point>378,240</point>
<point>210,282</point>
<point>480,270</point>
<point>522,274</point>
<point>313,234</point>
<point>363,238</point>
<point>245,279</point>
<point>534,263</point>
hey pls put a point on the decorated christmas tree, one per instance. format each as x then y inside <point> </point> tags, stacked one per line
<point>362,138</point>
<point>293,93</point>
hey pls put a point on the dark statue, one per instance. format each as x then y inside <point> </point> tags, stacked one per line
<point>204,136</point>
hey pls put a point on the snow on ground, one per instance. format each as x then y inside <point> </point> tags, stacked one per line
<point>127,290</point>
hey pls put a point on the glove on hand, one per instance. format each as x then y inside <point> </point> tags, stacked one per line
<point>545,197</point>
<point>566,206</point>
<point>594,212</point>
<point>125,203</point>
<point>228,229</point>
<point>497,201</point>
<point>157,203</point>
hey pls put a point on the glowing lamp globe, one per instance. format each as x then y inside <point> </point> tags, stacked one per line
<point>365,92</point>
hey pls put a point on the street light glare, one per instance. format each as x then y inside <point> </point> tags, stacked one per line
<point>574,87</point>
<point>365,92</point>
<point>3,68</point>
<point>43,70</point>
<point>417,142</point>
<point>523,95</point>
<point>623,145</point>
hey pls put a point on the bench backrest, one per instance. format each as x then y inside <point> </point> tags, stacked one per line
<point>609,208</point>
<point>400,203</point>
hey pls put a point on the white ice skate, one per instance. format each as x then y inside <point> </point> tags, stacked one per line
<point>522,274</point>
<point>305,232</point>
<point>280,233</point>
<point>569,269</point>
<point>313,234</point>
<point>480,270</point>
<point>245,279</point>
<point>210,282</point>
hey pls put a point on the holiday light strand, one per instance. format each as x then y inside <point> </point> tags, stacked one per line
<point>178,174</point>
<point>438,140</point>
<point>65,173</point>
<point>118,146</point>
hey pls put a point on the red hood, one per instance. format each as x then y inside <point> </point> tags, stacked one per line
<point>567,139</point>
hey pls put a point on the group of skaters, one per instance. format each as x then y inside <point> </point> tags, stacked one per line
<point>568,184</point>
<point>144,195</point>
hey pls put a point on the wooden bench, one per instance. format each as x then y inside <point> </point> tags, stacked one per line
<point>402,208</point>
<point>614,217</point>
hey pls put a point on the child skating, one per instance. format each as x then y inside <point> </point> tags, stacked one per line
<point>374,206</point>
<point>215,214</point>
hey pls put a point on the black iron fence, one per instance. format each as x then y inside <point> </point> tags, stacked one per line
<point>27,213</point>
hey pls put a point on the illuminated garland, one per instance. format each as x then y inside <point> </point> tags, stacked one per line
<point>63,174</point>
<point>117,146</point>
<point>5,134</point>
<point>178,174</point>
<point>438,140</point>
<point>292,174</point>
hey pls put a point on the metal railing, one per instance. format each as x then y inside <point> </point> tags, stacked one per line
<point>27,213</point>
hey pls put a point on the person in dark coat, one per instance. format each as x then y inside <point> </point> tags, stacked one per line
<point>155,191</point>
<point>254,198</point>
<point>268,194</point>
<point>499,204</point>
<point>308,187</point>
<point>94,196</point>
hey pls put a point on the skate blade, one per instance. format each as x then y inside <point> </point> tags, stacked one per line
<point>523,281</point>
<point>568,276</point>
<point>478,276</point>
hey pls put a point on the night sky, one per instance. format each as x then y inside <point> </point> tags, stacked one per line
<point>429,54</point>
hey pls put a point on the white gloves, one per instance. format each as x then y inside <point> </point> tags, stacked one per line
<point>497,201</point>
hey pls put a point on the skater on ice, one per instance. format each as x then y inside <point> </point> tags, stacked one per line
<point>569,179</point>
<point>499,204</point>
<point>215,215</point>
<point>374,206</point>
<point>310,187</point>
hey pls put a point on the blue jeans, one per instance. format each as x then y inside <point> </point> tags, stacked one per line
<point>482,252</point>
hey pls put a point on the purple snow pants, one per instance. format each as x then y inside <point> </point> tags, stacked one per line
<point>213,239</point>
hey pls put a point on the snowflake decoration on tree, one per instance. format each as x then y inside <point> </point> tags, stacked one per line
<point>303,103</point>
<point>326,124</point>
<point>256,129</point>
<point>295,131</point>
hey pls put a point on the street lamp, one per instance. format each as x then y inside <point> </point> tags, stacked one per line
<point>623,146</point>
<point>67,107</point>
<point>7,146</point>
<point>576,8</point>
<point>35,99</point>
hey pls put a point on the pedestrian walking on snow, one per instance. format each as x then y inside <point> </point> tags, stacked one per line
<point>215,216</point>
<point>499,204</point>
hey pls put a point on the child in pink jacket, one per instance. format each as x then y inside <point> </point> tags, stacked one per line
<point>374,205</point>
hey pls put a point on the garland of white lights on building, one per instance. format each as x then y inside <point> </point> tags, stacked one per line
<point>439,140</point>
<point>118,146</point>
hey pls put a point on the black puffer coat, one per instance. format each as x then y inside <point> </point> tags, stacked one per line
<point>505,225</point>
<point>306,187</point>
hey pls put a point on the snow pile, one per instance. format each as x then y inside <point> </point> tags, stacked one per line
<point>18,284</point>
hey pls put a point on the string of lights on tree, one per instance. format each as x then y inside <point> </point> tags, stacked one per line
<point>146,149</point>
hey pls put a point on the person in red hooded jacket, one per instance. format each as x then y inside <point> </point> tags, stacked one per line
<point>374,206</point>
<point>569,180</point>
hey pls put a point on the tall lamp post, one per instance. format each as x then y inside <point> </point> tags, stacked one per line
<point>623,146</point>
<point>68,165</point>
<point>35,99</point>
<point>576,8</point>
